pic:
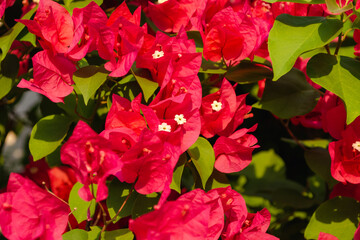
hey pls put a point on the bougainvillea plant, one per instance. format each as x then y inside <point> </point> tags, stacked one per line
<point>173,119</point>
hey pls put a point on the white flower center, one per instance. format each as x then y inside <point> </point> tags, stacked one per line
<point>216,106</point>
<point>179,118</point>
<point>164,127</point>
<point>162,1</point>
<point>356,146</point>
<point>157,54</point>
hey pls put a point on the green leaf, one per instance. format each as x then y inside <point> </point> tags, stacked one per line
<point>28,37</point>
<point>9,70</point>
<point>203,156</point>
<point>144,204</point>
<point>291,36</point>
<point>319,161</point>
<point>88,79</point>
<point>81,206</point>
<point>77,234</point>
<point>8,38</point>
<point>48,134</point>
<point>196,36</point>
<point>120,234</point>
<point>333,7</point>
<point>118,192</point>
<point>338,216</point>
<point>248,72</point>
<point>266,165</point>
<point>177,175</point>
<point>290,96</point>
<point>340,75</point>
<point>94,233</point>
<point>148,86</point>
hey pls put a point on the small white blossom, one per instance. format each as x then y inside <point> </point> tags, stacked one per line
<point>216,106</point>
<point>179,118</point>
<point>164,127</point>
<point>162,1</point>
<point>157,54</point>
<point>356,145</point>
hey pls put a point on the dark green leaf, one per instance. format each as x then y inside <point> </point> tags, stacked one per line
<point>291,36</point>
<point>8,38</point>
<point>203,156</point>
<point>248,72</point>
<point>197,38</point>
<point>88,79</point>
<point>338,216</point>
<point>212,67</point>
<point>81,206</point>
<point>48,134</point>
<point>217,180</point>
<point>340,75</point>
<point>9,70</point>
<point>144,204</point>
<point>319,161</point>
<point>120,234</point>
<point>76,107</point>
<point>177,175</point>
<point>118,193</point>
<point>290,96</point>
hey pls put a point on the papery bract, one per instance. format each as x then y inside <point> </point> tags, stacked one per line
<point>182,133</point>
<point>52,76</point>
<point>195,215</point>
<point>229,35</point>
<point>234,153</point>
<point>53,24</point>
<point>29,212</point>
<point>345,154</point>
<point>92,159</point>
<point>151,161</point>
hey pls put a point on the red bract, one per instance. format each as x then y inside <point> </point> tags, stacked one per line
<point>229,35</point>
<point>122,48</point>
<point>92,159</point>
<point>357,40</point>
<point>222,112</point>
<point>88,23</point>
<point>29,212</point>
<point>326,236</point>
<point>52,76</point>
<point>124,114</point>
<point>200,215</point>
<point>234,153</point>
<point>172,15</point>
<point>195,215</point>
<point>53,24</point>
<point>170,58</point>
<point>176,120</point>
<point>151,161</point>
<point>345,154</point>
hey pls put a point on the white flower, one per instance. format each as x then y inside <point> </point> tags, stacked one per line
<point>157,54</point>
<point>216,106</point>
<point>356,146</point>
<point>164,127</point>
<point>179,118</point>
<point>162,1</point>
